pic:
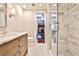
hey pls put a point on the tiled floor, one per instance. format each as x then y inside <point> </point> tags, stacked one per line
<point>37,49</point>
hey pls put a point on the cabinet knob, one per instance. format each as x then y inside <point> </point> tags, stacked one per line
<point>18,39</point>
<point>19,52</point>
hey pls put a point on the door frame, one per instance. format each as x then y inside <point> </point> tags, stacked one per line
<point>40,11</point>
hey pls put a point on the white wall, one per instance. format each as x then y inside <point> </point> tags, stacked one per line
<point>23,21</point>
<point>29,22</point>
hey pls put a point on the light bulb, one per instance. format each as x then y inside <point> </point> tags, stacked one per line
<point>1,5</point>
<point>24,6</point>
<point>54,5</point>
<point>40,5</point>
<point>13,11</point>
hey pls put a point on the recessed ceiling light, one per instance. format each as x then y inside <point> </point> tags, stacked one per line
<point>9,5</point>
<point>1,5</point>
<point>24,6</point>
<point>54,5</point>
<point>40,5</point>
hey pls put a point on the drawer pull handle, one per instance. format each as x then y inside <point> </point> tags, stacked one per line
<point>19,46</point>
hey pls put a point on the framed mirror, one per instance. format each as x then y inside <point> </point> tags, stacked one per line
<point>3,15</point>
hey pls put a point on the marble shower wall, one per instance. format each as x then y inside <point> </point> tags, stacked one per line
<point>68,32</point>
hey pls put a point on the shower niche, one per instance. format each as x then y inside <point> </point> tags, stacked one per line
<point>40,35</point>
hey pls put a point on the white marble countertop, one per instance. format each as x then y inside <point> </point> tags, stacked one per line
<point>10,36</point>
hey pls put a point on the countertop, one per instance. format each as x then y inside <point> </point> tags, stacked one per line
<point>10,36</point>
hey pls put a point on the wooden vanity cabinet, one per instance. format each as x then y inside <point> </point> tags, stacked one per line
<point>15,47</point>
<point>9,48</point>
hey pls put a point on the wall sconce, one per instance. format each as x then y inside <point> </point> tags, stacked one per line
<point>11,11</point>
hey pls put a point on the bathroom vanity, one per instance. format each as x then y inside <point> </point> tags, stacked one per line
<point>14,44</point>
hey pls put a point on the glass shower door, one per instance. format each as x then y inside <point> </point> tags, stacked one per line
<point>54,24</point>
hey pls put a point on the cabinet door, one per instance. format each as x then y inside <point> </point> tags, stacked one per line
<point>9,48</point>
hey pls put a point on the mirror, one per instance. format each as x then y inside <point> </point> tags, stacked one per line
<point>3,15</point>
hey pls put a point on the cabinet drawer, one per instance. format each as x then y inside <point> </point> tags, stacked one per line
<point>24,36</point>
<point>22,44</point>
<point>22,41</point>
<point>23,48</point>
<point>12,52</point>
<point>23,51</point>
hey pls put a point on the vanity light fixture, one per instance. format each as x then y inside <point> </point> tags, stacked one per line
<point>10,10</point>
